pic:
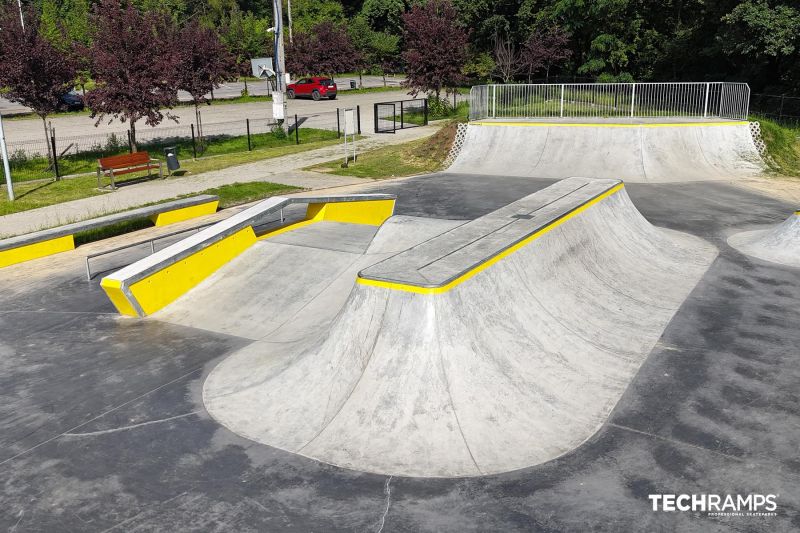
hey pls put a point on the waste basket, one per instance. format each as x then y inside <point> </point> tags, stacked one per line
<point>352,84</point>
<point>171,153</point>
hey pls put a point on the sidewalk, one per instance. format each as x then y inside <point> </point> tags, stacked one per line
<point>285,170</point>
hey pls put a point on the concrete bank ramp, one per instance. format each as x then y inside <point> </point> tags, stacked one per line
<point>501,343</point>
<point>780,244</point>
<point>634,152</point>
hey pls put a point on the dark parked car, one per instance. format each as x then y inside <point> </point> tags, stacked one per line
<point>314,87</point>
<point>72,102</point>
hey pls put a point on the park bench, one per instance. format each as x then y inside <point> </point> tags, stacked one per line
<point>115,165</point>
<point>62,238</point>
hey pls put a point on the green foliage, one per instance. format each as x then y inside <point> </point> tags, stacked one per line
<point>479,66</point>
<point>384,15</point>
<point>308,13</point>
<point>783,147</point>
<point>756,29</point>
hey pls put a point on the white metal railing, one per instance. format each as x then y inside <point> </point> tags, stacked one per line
<point>684,99</point>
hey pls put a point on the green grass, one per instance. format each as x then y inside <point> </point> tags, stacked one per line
<point>416,157</point>
<point>783,147</point>
<point>229,196</point>
<point>35,168</point>
<point>42,194</point>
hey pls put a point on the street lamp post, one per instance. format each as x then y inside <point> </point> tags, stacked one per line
<point>279,97</point>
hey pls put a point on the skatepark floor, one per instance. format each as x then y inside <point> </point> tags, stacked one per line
<point>102,426</point>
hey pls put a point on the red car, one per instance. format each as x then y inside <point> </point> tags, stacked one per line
<point>314,87</point>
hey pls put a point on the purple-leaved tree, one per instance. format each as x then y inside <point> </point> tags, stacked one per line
<point>436,47</point>
<point>205,63</point>
<point>545,48</point>
<point>135,65</point>
<point>325,49</point>
<point>34,72</point>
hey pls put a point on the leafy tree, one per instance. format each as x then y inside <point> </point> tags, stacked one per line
<point>325,49</point>
<point>506,59</point>
<point>545,48</point>
<point>204,63</point>
<point>34,72</point>
<point>246,37</point>
<point>379,50</point>
<point>384,15</point>
<point>436,47</point>
<point>135,65</point>
<point>480,66</point>
<point>757,30</point>
<point>309,13</point>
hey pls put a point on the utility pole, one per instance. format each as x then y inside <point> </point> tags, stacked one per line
<point>21,18</point>
<point>289,14</point>
<point>279,97</point>
<point>6,167</point>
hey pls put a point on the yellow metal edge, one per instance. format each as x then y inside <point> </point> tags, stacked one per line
<point>113,289</point>
<point>28,252</point>
<point>167,285</point>
<point>185,213</point>
<point>486,264</point>
<point>368,212</point>
<point>610,125</point>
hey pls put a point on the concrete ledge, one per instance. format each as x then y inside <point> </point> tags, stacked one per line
<point>157,280</point>
<point>438,265</point>
<point>50,241</point>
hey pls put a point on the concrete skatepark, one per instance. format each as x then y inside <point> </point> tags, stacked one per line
<point>506,351</point>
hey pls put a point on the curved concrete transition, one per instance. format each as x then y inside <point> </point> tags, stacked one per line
<point>634,152</point>
<point>501,343</point>
<point>780,244</point>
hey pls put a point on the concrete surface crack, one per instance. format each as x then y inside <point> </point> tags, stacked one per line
<point>21,514</point>
<point>387,489</point>
<point>133,426</point>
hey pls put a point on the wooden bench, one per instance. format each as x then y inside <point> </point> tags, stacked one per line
<point>124,164</point>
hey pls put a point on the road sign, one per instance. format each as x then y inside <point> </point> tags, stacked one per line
<point>262,67</point>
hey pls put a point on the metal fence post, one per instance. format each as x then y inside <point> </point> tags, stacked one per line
<point>494,101</point>
<point>194,144</point>
<point>425,108</point>
<point>375,117</point>
<point>705,105</point>
<point>338,125</point>
<point>55,154</point>
<point>296,131</point>
<point>721,96</point>
<point>358,118</point>
<point>249,145</point>
<point>633,98</point>
<point>562,100</point>
<point>402,125</point>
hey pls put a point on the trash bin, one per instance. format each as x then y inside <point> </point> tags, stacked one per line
<point>352,84</point>
<point>171,153</point>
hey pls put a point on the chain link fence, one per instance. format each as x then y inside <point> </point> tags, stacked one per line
<point>784,110</point>
<point>32,160</point>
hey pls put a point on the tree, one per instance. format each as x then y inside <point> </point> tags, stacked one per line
<point>436,47</point>
<point>544,49</point>
<point>34,72</point>
<point>309,13</point>
<point>135,65</point>
<point>247,38</point>
<point>506,59</point>
<point>384,15</point>
<point>325,49</point>
<point>380,50</point>
<point>204,63</point>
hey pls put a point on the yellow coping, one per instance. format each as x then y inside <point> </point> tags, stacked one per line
<point>486,264</point>
<point>610,125</point>
<point>36,250</point>
<point>370,212</point>
<point>185,213</point>
<point>165,286</point>
<point>797,213</point>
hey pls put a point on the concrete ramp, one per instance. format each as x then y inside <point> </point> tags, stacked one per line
<point>780,244</point>
<point>499,343</point>
<point>634,152</point>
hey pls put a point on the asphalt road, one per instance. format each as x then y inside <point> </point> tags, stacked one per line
<point>82,125</point>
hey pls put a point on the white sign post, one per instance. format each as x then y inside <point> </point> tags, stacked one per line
<point>6,167</point>
<point>351,129</point>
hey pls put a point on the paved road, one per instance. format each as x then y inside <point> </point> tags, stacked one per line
<point>81,125</point>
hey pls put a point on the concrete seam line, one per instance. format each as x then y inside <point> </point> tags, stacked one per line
<point>609,125</point>
<point>407,287</point>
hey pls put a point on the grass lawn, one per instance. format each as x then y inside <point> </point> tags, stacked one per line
<point>41,194</point>
<point>783,146</point>
<point>416,157</point>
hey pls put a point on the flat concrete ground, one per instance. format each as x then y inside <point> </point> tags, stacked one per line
<point>102,426</point>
